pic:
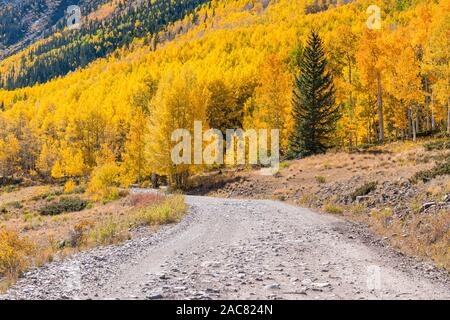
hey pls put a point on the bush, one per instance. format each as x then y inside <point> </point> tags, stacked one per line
<point>77,236</point>
<point>364,190</point>
<point>321,179</point>
<point>47,196</point>
<point>64,205</point>
<point>169,211</point>
<point>69,187</point>
<point>334,209</point>
<point>427,175</point>
<point>104,181</point>
<point>14,254</point>
<point>438,145</point>
<point>109,232</point>
<point>142,200</point>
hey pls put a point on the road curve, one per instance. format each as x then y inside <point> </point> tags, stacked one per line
<point>241,249</point>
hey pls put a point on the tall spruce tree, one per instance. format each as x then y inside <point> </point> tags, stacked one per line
<point>314,109</point>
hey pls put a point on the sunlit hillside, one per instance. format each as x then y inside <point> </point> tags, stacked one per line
<point>236,59</point>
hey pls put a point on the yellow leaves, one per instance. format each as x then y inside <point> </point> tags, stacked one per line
<point>70,163</point>
<point>273,99</point>
<point>14,252</point>
<point>57,171</point>
<point>104,181</point>
<point>69,186</point>
<point>90,118</point>
<point>9,154</point>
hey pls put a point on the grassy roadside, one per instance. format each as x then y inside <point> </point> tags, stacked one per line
<point>33,239</point>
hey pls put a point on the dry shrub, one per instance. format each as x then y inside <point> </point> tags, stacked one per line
<point>15,253</point>
<point>78,235</point>
<point>142,200</point>
<point>333,209</point>
<point>171,210</point>
<point>109,232</point>
<point>430,235</point>
<point>383,218</point>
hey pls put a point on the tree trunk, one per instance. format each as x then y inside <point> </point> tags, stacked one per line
<point>417,127</point>
<point>433,120</point>
<point>380,109</point>
<point>427,105</point>
<point>410,123</point>
<point>413,126</point>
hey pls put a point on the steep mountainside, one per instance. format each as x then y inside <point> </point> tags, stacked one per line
<point>22,22</point>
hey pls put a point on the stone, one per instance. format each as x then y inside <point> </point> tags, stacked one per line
<point>273,286</point>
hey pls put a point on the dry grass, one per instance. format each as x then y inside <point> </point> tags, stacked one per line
<point>170,210</point>
<point>63,234</point>
<point>333,209</point>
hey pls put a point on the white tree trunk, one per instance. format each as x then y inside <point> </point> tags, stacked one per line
<point>380,109</point>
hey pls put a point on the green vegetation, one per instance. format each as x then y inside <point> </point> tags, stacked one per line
<point>438,145</point>
<point>171,210</point>
<point>321,179</point>
<point>70,204</point>
<point>440,169</point>
<point>314,102</point>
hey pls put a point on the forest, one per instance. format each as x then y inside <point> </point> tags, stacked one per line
<point>230,64</point>
<point>65,51</point>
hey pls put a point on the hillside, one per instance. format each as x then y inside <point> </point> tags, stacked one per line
<point>243,49</point>
<point>23,22</point>
<point>104,29</point>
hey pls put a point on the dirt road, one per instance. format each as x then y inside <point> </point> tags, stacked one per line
<point>245,249</point>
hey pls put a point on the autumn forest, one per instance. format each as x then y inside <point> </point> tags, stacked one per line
<point>111,95</point>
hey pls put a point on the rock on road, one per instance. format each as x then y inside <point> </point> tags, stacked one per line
<point>240,249</point>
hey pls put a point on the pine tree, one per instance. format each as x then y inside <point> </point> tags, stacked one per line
<point>314,109</point>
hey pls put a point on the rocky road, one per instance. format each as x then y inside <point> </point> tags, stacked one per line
<point>241,249</point>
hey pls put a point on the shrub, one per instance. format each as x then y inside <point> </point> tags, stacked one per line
<point>141,200</point>
<point>47,196</point>
<point>77,236</point>
<point>334,209</point>
<point>15,205</point>
<point>69,187</point>
<point>321,179</point>
<point>440,169</point>
<point>170,211</point>
<point>438,145</point>
<point>64,205</point>
<point>14,254</point>
<point>104,181</point>
<point>364,190</point>
<point>109,232</point>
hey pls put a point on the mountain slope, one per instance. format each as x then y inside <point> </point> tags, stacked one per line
<point>23,22</point>
<point>66,50</point>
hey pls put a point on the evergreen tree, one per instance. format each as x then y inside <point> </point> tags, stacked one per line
<point>314,109</point>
